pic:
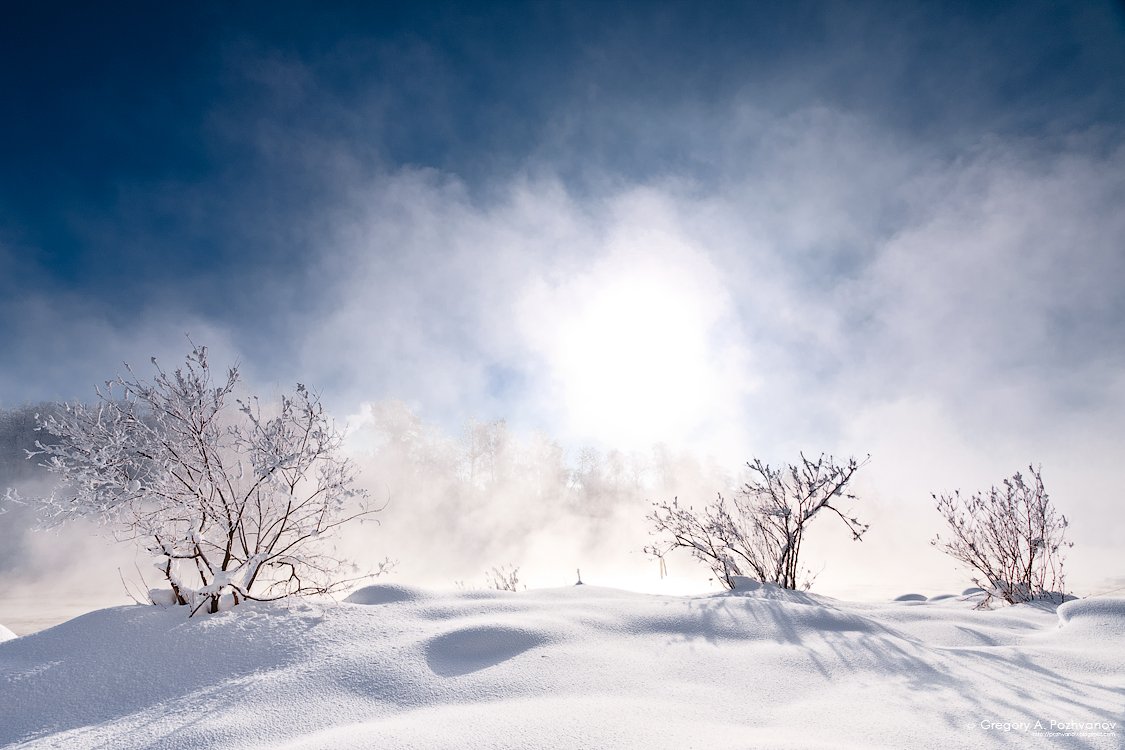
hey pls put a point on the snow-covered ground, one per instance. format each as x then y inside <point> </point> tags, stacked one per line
<point>579,667</point>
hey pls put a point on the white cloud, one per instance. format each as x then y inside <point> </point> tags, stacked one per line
<point>823,288</point>
<point>829,290</point>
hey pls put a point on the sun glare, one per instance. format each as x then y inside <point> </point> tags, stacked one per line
<point>633,359</point>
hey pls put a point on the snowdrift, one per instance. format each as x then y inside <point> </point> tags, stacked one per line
<point>397,667</point>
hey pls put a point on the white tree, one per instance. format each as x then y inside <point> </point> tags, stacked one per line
<point>1011,536</point>
<point>760,530</point>
<point>234,502</point>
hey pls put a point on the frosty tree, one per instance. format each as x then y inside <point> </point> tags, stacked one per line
<point>759,531</point>
<point>1011,536</point>
<point>235,501</point>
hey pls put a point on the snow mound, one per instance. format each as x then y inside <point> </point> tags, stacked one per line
<point>5,634</point>
<point>162,597</point>
<point>910,598</point>
<point>384,593</point>
<point>563,668</point>
<point>773,592</point>
<point>472,649</point>
<point>1107,614</point>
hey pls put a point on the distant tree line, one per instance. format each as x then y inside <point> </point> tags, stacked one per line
<point>18,433</point>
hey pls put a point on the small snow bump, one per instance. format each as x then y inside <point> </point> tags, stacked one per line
<point>384,593</point>
<point>475,648</point>
<point>1101,613</point>
<point>745,583</point>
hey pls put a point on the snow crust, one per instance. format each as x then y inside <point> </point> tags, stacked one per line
<point>399,667</point>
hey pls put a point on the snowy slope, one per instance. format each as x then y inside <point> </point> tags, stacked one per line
<point>571,668</point>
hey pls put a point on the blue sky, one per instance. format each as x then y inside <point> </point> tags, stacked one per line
<point>181,158</point>
<point>882,227</point>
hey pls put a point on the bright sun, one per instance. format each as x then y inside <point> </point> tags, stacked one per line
<point>632,353</point>
<point>633,360</point>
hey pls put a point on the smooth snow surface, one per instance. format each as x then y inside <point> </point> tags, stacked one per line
<point>580,667</point>
<point>5,634</point>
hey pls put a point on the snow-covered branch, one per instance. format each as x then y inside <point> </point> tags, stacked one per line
<point>232,499</point>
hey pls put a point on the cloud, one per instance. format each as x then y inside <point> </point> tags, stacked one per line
<point>830,240</point>
<point>830,289</point>
<point>848,292</point>
<point>62,345</point>
<point>642,343</point>
<point>1011,273</point>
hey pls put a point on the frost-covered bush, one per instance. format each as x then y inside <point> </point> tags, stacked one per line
<point>1011,536</point>
<point>235,502</point>
<point>759,531</point>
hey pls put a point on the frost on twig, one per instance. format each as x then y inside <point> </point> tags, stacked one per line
<point>758,532</point>
<point>233,500</point>
<point>1011,536</point>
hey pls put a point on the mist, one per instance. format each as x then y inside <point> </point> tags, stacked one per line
<point>457,505</point>
<point>454,506</point>
<point>969,337</point>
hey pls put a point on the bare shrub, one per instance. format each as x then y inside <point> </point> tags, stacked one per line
<point>759,531</point>
<point>503,578</point>
<point>1011,536</point>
